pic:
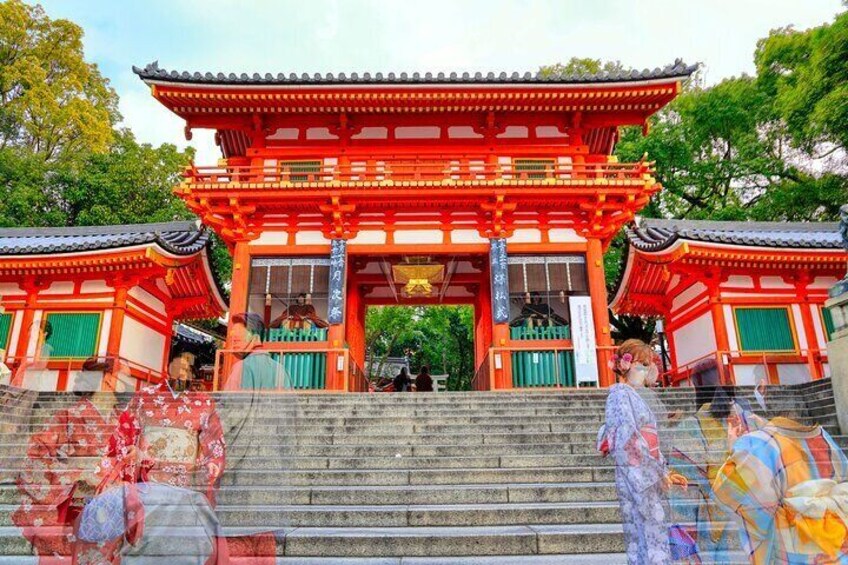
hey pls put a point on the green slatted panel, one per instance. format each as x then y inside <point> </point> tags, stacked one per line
<point>301,171</point>
<point>764,329</point>
<point>531,166</point>
<point>5,330</point>
<point>542,332</point>
<point>305,370</point>
<point>74,335</point>
<point>826,316</point>
<point>539,368</point>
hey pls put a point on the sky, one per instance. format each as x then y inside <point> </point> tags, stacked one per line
<point>320,36</point>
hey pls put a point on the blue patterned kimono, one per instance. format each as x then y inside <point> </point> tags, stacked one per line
<point>631,430</point>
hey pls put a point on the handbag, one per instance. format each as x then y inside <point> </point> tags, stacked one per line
<point>103,518</point>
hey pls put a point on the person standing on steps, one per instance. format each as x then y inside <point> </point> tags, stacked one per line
<point>641,478</point>
<point>402,382</point>
<point>424,382</point>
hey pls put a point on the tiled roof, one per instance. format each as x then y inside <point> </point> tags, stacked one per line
<point>153,72</point>
<point>179,238</point>
<point>656,235</point>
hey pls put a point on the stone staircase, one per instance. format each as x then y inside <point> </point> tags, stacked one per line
<point>413,479</point>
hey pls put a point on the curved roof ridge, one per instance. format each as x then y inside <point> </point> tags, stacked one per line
<point>178,237</point>
<point>154,72</point>
<point>651,234</point>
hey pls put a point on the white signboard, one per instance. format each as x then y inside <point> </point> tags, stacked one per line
<point>583,338</point>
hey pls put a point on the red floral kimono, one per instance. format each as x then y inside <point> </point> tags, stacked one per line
<point>179,441</point>
<point>56,478</point>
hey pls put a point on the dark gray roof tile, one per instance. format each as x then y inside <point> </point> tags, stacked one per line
<point>650,234</point>
<point>153,72</point>
<point>180,238</point>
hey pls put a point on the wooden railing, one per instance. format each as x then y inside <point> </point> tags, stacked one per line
<point>721,363</point>
<point>114,365</point>
<point>396,170</point>
<point>329,369</point>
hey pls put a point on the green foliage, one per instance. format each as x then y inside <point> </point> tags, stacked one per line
<point>577,65</point>
<point>438,336</point>
<point>52,102</point>
<point>806,73</point>
<point>131,183</point>
<point>770,147</point>
<point>62,161</point>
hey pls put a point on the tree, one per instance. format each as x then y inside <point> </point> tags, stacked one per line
<point>438,336</point>
<point>131,183</point>
<point>806,73</point>
<point>578,65</point>
<point>53,103</point>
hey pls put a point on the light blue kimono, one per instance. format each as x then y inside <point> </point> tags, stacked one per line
<point>631,430</point>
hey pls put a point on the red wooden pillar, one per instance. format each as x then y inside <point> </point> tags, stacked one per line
<point>355,323</point>
<point>116,328</point>
<point>238,305</point>
<point>813,351</point>
<point>600,313</point>
<point>719,327</point>
<point>31,288</point>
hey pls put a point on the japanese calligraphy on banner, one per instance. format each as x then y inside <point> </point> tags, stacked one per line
<point>335,303</point>
<point>500,280</point>
<point>583,339</point>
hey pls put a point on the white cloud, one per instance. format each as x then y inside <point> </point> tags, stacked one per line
<point>392,35</point>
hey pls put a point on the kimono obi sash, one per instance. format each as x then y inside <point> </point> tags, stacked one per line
<point>818,509</point>
<point>173,445</point>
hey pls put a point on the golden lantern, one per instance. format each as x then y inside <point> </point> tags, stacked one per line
<point>418,274</point>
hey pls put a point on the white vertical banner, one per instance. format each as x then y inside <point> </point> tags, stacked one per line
<point>583,339</point>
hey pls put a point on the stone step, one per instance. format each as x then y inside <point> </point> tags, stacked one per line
<point>279,516</point>
<point>403,494</point>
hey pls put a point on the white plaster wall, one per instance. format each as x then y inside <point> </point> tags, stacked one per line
<point>148,300</point>
<point>525,236</point>
<point>418,236</point>
<point>95,286</point>
<point>774,282</point>
<point>125,384</point>
<point>10,289</point>
<point>368,237</point>
<point>564,235</point>
<point>141,344</point>
<point>467,236</point>
<point>815,312</point>
<point>730,327</point>
<point>790,374</point>
<point>823,282</point>
<point>41,380</point>
<point>748,375</point>
<point>739,281</point>
<point>694,340</point>
<point>799,326</point>
<point>310,238</point>
<point>17,321</point>
<point>687,295</point>
<point>826,370</point>
<point>91,380</point>
<point>105,326</point>
<point>271,238</point>
<point>59,287</point>
<point>33,334</point>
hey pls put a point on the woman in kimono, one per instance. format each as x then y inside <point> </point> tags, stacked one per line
<point>700,453</point>
<point>787,486</point>
<point>58,473</point>
<point>167,441</point>
<point>641,478</point>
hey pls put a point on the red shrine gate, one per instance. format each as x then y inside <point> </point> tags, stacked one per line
<point>335,193</point>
